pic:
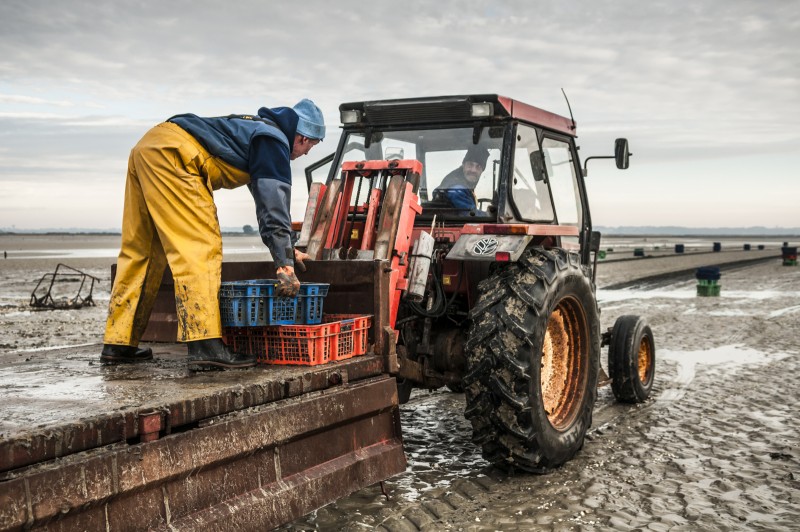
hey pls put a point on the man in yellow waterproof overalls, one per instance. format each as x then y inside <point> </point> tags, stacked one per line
<point>170,218</point>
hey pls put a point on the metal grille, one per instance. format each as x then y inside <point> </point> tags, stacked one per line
<point>417,113</point>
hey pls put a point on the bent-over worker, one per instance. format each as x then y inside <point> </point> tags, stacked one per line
<point>170,218</point>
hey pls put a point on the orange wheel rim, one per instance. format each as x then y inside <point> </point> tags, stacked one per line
<point>564,363</point>
<point>645,360</point>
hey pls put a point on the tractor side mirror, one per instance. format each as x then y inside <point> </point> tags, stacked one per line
<point>621,154</point>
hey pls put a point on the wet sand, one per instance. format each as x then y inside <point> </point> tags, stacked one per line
<point>715,448</point>
<point>30,257</point>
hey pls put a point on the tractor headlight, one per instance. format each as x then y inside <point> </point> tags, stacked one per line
<point>351,116</point>
<point>482,110</point>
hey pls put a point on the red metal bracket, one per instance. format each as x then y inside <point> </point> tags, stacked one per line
<point>150,425</point>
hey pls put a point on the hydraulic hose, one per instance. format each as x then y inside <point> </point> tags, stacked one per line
<point>440,303</point>
<point>439,306</point>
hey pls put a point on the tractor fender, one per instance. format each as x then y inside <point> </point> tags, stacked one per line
<point>485,247</point>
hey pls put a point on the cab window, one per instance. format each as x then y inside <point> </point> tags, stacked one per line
<point>560,168</point>
<point>446,189</point>
<point>529,189</point>
<point>466,170</point>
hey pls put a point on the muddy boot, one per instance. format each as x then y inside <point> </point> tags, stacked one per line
<point>124,354</point>
<point>213,353</point>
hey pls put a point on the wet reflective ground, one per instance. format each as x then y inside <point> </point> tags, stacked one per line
<point>51,387</point>
<point>47,387</point>
<point>717,447</point>
<point>438,450</point>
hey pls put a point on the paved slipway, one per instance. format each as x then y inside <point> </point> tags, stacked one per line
<point>715,448</point>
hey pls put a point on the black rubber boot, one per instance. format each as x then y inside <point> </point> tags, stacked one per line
<point>213,353</point>
<point>124,354</point>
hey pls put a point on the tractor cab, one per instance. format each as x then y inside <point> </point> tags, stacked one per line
<point>486,159</point>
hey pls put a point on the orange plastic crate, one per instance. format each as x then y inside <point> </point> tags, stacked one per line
<point>305,345</point>
<point>237,339</point>
<point>342,336</point>
<point>353,334</point>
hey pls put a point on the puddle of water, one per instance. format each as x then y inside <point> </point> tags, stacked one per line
<point>88,253</point>
<point>730,312</point>
<point>733,356</point>
<point>104,253</point>
<point>727,359</point>
<point>781,312</point>
<point>773,419</point>
<point>760,295</point>
<point>54,347</point>
<point>18,314</point>
<point>612,296</point>
<point>33,384</point>
<point>438,449</point>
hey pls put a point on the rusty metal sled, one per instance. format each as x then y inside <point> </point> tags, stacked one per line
<point>53,289</point>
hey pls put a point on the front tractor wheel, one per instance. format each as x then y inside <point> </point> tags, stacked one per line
<point>533,360</point>
<point>631,359</point>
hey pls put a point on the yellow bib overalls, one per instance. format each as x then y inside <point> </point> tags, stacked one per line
<point>169,217</point>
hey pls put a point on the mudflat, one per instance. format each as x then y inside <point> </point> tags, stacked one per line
<point>717,447</point>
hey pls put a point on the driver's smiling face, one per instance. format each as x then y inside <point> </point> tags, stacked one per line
<point>472,171</point>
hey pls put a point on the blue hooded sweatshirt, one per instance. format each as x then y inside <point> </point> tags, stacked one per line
<point>260,146</point>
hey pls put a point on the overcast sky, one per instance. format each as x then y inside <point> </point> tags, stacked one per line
<point>707,92</point>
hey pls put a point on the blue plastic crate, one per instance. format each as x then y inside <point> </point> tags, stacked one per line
<point>311,296</point>
<point>233,289</point>
<point>254,303</point>
<point>266,308</point>
<point>233,304</point>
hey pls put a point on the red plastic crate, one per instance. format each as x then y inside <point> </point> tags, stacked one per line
<point>305,345</point>
<point>353,334</point>
<point>342,336</point>
<point>237,339</point>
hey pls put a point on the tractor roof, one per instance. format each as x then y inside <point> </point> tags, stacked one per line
<point>441,109</point>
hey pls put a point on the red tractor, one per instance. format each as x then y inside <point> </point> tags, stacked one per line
<point>478,208</point>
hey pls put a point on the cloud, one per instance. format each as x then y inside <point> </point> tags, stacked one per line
<point>31,100</point>
<point>684,81</point>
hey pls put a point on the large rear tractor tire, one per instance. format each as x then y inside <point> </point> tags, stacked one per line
<point>533,356</point>
<point>631,359</point>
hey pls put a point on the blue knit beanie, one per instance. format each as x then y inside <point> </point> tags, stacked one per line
<point>477,154</point>
<point>311,123</point>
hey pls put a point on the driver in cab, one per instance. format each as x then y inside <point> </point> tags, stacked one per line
<point>458,187</point>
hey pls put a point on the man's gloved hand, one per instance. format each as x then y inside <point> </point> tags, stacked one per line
<point>299,257</point>
<point>288,284</point>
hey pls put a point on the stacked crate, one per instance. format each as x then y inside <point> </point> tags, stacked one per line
<point>288,330</point>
